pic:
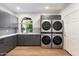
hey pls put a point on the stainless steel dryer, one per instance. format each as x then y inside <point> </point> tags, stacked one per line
<point>57,40</point>
<point>46,40</point>
<point>57,25</point>
<point>45,25</point>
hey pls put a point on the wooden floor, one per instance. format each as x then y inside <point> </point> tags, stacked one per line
<point>36,51</point>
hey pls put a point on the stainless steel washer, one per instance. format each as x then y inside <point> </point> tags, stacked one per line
<point>57,40</point>
<point>57,25</point>
<point>46,40</point>
<point>45,25</point>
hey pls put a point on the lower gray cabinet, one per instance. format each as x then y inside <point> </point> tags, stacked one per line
<point>20,40</point>
<point>7,44</point>
<point>3,47</point>
<point>28,40</point>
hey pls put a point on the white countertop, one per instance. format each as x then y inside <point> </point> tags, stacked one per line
<point>4,36</point>
<point>29,33</point>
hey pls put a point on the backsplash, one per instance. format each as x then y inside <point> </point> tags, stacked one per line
<point>36,30</point>
<point>5,31</point>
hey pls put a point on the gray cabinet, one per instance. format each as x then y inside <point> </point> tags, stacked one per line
<point>8,20</point>
<point>11,42</point>
<point>28,40</point>
<point>3,47</point>
<point>7,44</point>
<point>14,41</point>
<point>20,40</point>
<point>8,23</point>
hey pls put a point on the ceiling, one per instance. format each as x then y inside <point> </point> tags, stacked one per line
<point>34,7</point>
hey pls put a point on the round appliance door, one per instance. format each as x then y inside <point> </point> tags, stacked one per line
<point>46,25</point>
<point>57,40</point>
<point>57,25</point>
<point>46,40</point>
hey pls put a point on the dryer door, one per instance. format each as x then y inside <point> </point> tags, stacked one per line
<point>57,25</point>
<point>57,40</point>
<point>46,25</point>
<point>46,40</point>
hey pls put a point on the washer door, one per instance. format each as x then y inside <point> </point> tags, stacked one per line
<point>57,40</point>
<point>57,25</point>
<point>46,40</point>
<point>46,25</point>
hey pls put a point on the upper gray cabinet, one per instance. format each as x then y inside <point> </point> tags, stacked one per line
<point>7,20</point>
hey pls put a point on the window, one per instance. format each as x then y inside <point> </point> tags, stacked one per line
<point>26,25</point>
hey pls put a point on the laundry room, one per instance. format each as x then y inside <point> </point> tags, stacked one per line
<point>39,29</point>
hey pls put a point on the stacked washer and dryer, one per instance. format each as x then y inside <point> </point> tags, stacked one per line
<point>51,31</point>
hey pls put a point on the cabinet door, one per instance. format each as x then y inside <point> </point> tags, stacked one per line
<point>2,47</point>
<point>3,17</point>
<point>7,44</point>
<point>37,39</point>
<point>31,40</point>
<point>28,40</point>
<point>15,40</point>
<point>11,20</point>
<point>20,40</point>
<point>12,42</point>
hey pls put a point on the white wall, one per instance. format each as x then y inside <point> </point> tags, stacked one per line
<point>36,20</point>
<point>70,15</point>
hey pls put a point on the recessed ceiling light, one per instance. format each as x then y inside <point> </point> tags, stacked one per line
<point>18,8</point>
<point>46,7</point>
